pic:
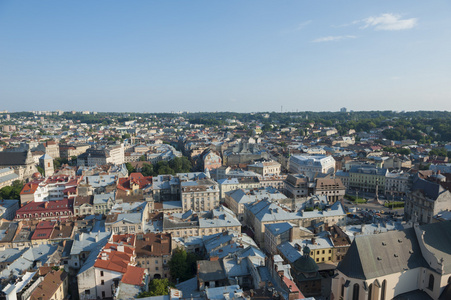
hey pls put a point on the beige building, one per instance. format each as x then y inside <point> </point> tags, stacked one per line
<point>265,168</point>
<point>414,263</point>
<point>153,252</point>
<point>198,224</point>
<point>231,184</point>
<point>311,164</point>
<point>83,206</point>
<point>124,223</point>
<point>68,151</point>
<point>199,195</point>
<point>333,188</point>
<point>50,148</point>
<point>275,181</point>
<point>7,177</point>
<point>53,287</point>
<point>237,199</point>
<point>426,199</point>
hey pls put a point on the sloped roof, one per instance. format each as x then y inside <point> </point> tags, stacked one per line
<point>430,189</point>
<point>133,275</point>
<point>114,260</point>
<point>382,254</point>
<point>437,239</point>
<point>12,158</point>
<point>210,270</point>
<point>48,287</point>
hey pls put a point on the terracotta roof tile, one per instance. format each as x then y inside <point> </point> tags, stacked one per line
<point>133,275</point>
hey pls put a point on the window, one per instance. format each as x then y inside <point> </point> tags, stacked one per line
<point>384,284</point>
<point>431,282</point>
<point>87,292</point>
<point>355,292</point>
<point>102,282</point>
<point>101,273</point>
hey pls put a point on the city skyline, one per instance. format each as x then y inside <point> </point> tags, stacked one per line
<point>253,56</point>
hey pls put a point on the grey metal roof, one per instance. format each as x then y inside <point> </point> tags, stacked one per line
<point>10,254</point>
<point>7,231</point>
<point>437,239</point>
<point>266,211</point>
<point>103,198</point>
<point>430,189</point>
<point>89,241</point>
<point>12,158</point>
<point>210,270</point>
<point>378,255</point>
<point>278,228</point>
<point>8,177</point>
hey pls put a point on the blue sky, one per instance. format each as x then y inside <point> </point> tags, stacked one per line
<point>161,56</point>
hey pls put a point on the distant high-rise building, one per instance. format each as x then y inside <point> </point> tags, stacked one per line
<point>343,109</point>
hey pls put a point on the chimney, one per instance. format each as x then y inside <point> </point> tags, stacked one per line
<point>313,241</point>
<point>291,234</point>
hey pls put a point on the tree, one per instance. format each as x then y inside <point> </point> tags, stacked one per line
<point>40,170</point>
<point>147,170</point>
<point>182,265</point>
<point>157,287</point>
<point>186,165</point>
<point>13,191</point>
<point>142,158</point>
<point>176,164</point>
<point>130,168</point>
<point>57,162</point>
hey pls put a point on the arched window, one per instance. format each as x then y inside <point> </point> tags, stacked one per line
<point>370,292</point>
<point>431,282</point>
<point>355,292</point>
<point>384,286</point>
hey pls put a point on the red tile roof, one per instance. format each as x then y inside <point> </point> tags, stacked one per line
<point>133,275</point>
<point>29,188</point>
<point>293,287</point>
<point>134,178</point>
<point>60,208</point>
<point>125,239</point>
<point>42,234</point>
<point>46,225</point>
<point>112,259</point>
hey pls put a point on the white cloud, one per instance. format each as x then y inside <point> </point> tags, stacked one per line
<point>333,38</point>
<point>303,25</point>
<point>389,22</point>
